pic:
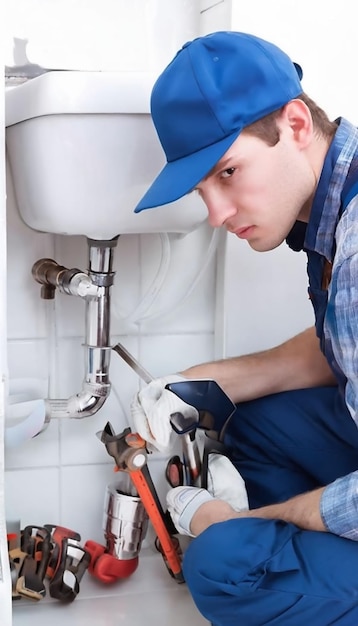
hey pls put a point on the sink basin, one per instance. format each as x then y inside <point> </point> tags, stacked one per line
<point>82,151</point>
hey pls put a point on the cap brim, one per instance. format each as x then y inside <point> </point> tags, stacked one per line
<point>181,176</point>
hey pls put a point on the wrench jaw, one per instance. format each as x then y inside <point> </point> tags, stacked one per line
<point>127,448</point>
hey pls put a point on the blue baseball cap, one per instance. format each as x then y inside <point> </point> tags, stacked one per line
<point>214,87</point>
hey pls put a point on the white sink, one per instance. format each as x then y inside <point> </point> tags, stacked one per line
<point>83,150</point>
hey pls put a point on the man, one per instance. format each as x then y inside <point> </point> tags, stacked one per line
<point>237,128</point>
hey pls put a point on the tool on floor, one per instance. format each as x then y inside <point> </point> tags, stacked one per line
<point>67,564</point>
<point>51,553</point>
<point>28,563</point>
<point>125,523</point>
<point>130,456</point>
<point>125,520</point>
<point>26,583</point>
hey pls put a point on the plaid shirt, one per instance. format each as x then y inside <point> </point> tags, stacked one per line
<point>332,237</point>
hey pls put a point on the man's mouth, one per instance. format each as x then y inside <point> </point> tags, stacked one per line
<point>243,233</point>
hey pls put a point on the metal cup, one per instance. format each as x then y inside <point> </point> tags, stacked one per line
<point>125,520</point>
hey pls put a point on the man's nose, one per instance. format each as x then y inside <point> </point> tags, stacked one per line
<point>219,211</point>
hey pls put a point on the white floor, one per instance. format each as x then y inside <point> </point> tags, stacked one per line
<point>150,597</point>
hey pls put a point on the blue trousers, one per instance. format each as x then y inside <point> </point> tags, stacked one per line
<point>256,572</point>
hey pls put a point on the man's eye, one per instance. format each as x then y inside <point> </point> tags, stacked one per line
<point>229,172</point>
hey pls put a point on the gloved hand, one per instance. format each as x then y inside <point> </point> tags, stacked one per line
<point>151,409</point>
<point>224,483</point>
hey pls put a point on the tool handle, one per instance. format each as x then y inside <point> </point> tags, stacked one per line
<point>133,363</point>
<point>159,526</point>
<point>191,459</point>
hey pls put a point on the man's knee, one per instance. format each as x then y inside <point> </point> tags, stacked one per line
<point>256,571</point>
<point>236,550</point>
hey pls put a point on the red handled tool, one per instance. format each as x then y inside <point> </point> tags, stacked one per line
<point>129,453</point>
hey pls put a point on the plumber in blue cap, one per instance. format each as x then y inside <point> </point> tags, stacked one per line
<point>238,129</point>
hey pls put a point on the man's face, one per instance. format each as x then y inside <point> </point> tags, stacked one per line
<point>257,191</point>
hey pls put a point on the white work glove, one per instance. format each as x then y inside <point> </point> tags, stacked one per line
<point>224,483</point>
<point>152,407</point>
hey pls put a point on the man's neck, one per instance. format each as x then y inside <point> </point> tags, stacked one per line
<point>316,155</point>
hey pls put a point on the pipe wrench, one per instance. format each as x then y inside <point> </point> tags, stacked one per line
<point>129,453</point>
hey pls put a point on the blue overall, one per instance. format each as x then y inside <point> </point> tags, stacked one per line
<point>257,572</point>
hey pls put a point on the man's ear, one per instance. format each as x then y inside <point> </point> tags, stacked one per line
<point>297,116</point>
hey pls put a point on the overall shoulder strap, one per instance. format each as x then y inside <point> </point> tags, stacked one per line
<point>349,194</point>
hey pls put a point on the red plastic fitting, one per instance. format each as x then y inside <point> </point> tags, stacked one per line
<point>107,568</point>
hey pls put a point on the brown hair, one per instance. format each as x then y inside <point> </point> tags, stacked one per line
<point>267,129</point>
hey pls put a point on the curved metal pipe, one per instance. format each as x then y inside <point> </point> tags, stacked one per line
<point>94,287</point>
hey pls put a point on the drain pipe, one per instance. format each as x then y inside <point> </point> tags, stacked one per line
<point>94,287</point>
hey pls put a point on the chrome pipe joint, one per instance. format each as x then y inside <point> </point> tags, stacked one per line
<point>94,287</point>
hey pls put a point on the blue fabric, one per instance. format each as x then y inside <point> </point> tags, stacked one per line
<point>255,572</point>
<point>288,443</point>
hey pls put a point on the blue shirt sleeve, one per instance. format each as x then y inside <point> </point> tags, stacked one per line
<point>339,506</point>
